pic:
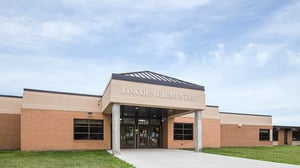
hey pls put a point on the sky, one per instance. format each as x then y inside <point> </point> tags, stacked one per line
<point>245,53</point>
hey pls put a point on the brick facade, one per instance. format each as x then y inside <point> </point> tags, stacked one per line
<point>210,133</point>
<point>53,130</point>
<point>9,131</point>
<point>44,120</point>
<point>245,135</point>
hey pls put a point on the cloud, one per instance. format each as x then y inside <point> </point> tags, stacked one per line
<point>15,31</point>
<point>181,56</point>
<point>46,72</point>
<point>25,32</point>
<point>259,54</point>
<point>218,53</point>
<point>154,5</point>
<point>293,58</point>
<point>33,33</point>
<point>250,55</point>
<point>252,78</point>
<point>170,4</point>
<point>159,44</point>
<point>285,22</point>
<point>71,21</point>
<point>59,30</point>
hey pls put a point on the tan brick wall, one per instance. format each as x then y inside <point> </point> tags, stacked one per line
<point>246,135</point>
<point>10,105</point>
<point>53,130</point>
<point>210,133</point>
<point>281,137</point>
<point>9,131</point>
<point>290,137</point>
<point>60,101</point>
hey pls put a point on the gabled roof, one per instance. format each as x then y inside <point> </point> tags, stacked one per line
<point>155,78</point>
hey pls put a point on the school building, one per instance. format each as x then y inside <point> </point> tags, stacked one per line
<point>137,110</point>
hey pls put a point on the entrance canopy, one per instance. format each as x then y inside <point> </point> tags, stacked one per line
<point>163,95</point>
<point>151,89</point>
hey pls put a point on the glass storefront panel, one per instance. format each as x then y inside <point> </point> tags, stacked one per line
<point>140,127</point>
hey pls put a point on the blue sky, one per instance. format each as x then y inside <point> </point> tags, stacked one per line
<point>245,53</point>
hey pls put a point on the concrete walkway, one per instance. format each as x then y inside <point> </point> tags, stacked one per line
<point>162,158</point>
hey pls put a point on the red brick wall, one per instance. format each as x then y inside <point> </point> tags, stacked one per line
<point>246,135</point>
<point>9,131</point>
<point>53,130</point>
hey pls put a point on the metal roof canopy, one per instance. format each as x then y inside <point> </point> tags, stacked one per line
<point>155,78</point>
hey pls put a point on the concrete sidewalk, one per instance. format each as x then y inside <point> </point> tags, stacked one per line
<point>173,158</point>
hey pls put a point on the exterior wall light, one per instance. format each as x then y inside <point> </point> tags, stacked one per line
<point>90,114</point>
<point>240,125</point>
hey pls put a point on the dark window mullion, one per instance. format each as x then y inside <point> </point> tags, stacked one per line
<point>183,131</point>
<point>91,124</point>
<point>183,127</point>
<point>89,127</point>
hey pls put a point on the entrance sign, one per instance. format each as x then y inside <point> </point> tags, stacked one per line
<point>159,94</point>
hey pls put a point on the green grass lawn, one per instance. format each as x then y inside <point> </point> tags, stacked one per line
<point>282,154</point>
<point>65,159</point>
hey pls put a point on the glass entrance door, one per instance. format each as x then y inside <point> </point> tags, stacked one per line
<point>141,127</point>
<point>149,136</point>
<point>154,136</point>
<point>143,136</point>
<point>127,136</point>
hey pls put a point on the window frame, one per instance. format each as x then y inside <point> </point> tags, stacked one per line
<point>90,134</point>
<point>262,137</point>
<point>275,134</point>
<point>297,136</point>
<point>185,127</point>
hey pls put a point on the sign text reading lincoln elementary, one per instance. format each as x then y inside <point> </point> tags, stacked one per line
<point>159,94</point>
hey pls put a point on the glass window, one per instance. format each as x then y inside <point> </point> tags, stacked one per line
<point>264,135</point>
<point>296,135</point>
<point>88,129</point>
<point>183,131</point>
<point>155,122</point>
<point>275,134</point>
<point>129,120</point>
<point>143,122</point>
